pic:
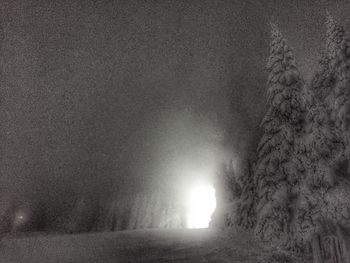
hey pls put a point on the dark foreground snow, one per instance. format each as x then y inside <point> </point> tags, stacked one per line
<point>144,246</point>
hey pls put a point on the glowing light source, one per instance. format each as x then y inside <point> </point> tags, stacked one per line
<point>201,204</point>
<point>19,217</point>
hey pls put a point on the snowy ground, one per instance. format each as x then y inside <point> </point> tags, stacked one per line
<point>144,246</point>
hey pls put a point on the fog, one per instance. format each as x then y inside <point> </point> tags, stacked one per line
<point>123,96</point>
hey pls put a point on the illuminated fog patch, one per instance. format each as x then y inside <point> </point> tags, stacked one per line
<point>201,205</point>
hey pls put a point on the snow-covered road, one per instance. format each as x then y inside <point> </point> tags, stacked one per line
<point>186,245</point>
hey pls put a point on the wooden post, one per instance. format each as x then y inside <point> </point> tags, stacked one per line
<point>342,245</point>
<point>316,249</point>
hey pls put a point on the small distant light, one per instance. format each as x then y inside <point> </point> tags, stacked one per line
<point>20,217</point>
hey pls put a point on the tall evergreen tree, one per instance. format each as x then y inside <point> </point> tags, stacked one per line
<point>246,205</point>
<point>277,169</point>
<point>321,141</point>
<point>323,194</point>
<point>317,150</point>
<point>227,191</point>
<point>338,48</point>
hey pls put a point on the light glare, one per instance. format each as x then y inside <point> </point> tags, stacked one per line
<point>201,205</point>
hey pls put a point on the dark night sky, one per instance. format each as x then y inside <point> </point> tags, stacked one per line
<point>127,91</point>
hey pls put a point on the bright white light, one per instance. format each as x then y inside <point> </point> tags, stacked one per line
<point>201,204</point>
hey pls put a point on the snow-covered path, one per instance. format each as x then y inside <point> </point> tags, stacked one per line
<point>144,246</point>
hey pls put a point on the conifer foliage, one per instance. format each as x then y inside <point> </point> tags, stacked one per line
<point>300,183</point>
<point>327,184</point>
<point>338,47</point>
<point>227,191</point>
<point>323,81</point>
<point>246,206</point>
<point>277,170</point>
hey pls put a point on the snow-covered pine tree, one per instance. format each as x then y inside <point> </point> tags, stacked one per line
<point>321,141</point>
<point>227,192</point>
<point>338,48</point>
<point>277,171</point>
<point>246,205</point>
<point>317,149</point>
<point>324,196</point>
